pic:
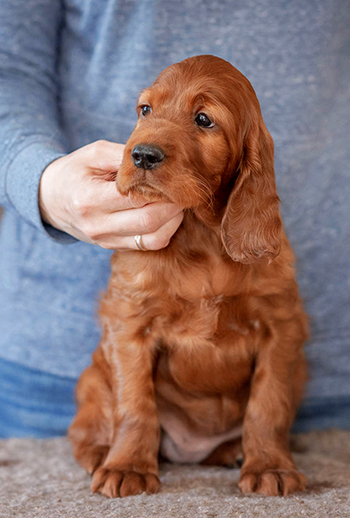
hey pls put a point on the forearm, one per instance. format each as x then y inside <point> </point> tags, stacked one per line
<point>30,134</point>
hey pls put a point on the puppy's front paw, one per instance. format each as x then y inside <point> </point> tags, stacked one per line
<point>113,482</point>
<point>91,457</point>
<point>272,482</point>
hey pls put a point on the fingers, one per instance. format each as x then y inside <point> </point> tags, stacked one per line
<point>78,195</point>
<point>101,196</point>
<point>156,240</point>
<point>159,239</point>
<point>101,155</point>
<point>146,220</point>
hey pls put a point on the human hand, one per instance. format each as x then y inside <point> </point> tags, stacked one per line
<point>78,194</point>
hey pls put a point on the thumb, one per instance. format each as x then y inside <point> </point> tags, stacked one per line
<point>102,156</point>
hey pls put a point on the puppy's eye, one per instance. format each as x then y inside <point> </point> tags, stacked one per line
<point>203,120</point>
<point>145,110</point>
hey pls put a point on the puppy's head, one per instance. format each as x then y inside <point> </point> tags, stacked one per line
<point>200,142</point>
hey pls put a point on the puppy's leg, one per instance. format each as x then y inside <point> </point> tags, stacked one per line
<point>131,466</point>
<point>91,430</point>
<point>228,454</point>
<point>280,373</point>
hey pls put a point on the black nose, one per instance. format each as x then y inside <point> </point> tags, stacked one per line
<point>146,156</point>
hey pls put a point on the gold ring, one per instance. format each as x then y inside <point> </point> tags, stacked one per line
<point>139,244</point>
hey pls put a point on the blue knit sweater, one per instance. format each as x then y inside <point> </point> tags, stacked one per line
<point>70,72</point>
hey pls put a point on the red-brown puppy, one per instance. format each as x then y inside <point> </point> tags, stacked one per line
<point>202,346</point>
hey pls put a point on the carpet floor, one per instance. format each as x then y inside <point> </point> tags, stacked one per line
<point>39,478</point>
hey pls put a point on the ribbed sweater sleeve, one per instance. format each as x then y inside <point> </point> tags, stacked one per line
<point>30,134</point>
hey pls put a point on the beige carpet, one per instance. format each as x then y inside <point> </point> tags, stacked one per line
<point>39,478</point>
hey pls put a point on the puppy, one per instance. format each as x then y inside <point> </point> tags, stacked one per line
<point>201,355</point>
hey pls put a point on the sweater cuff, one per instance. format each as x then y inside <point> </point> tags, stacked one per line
<point>22,185</point>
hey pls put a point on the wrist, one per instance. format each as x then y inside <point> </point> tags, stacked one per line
<point>46,195</point>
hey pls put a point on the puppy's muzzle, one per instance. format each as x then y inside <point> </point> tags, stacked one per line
<point>147,156</point>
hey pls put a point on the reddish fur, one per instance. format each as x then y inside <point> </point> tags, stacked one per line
<point>209,330</point>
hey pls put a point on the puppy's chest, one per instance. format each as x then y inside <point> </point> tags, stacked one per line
<point>194,304</point>
<point>207,321</point>
<point>197,315</point>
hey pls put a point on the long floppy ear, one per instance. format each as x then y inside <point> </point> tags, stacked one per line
<point>251,228</point>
